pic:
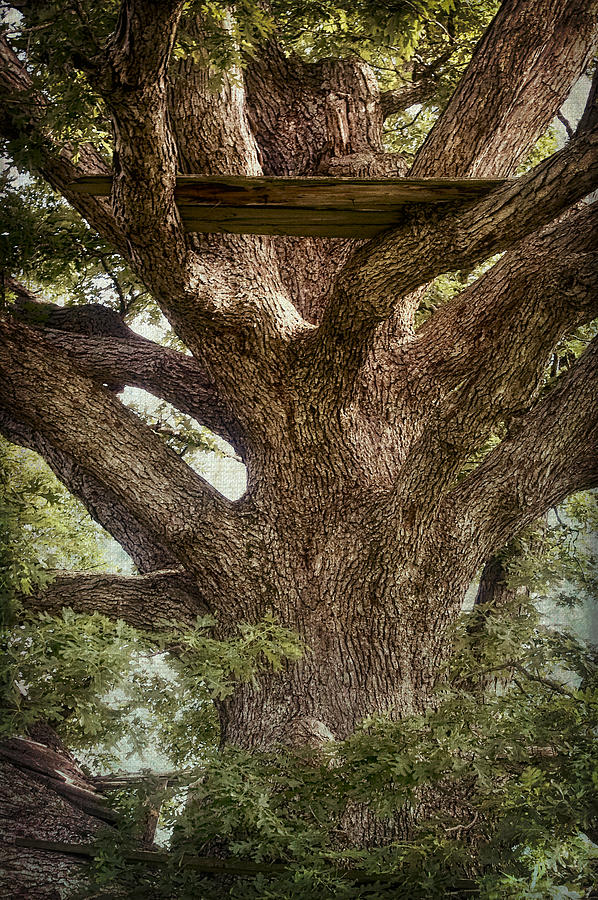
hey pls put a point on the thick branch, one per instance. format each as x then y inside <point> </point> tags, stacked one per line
<point>102,346</point>
<point>131,76</point>
<point>552,454</point>
<point>210,125</point>
<point>520,75</point>
<point>208,289</point>
<point>98,498</point>
<point>315,119</point>
<point>305,114</point>
<point>167,497</point>
<point>144,601</point>
<point>389,268</point>
<point>488,348</point>
<point>480,362</point>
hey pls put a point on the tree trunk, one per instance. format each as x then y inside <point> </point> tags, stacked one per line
<point>372,495</point>
<point>370,606</point>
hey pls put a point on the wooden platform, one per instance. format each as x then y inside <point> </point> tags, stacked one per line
<point>304,207</point>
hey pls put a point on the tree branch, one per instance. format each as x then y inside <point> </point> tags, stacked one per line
<point>206,287</point>
<point>551,455</point>
<point>131,76</point>
<point>210,125</point>
<point>22,116</point>
<point>99,499</point>
<point>164,494</point>
<point>381,277</point>
<point>481,358</point>
<point>417,91</point>
<point>315,119</point>
<point>589,119</point>
<point>146,229</point>
<point>144,601</point>
<point>400,99</point>
<point>512,88</point>
<point>105,348</point>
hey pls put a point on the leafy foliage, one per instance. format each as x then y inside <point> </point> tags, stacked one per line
<point>61,669</point>
<point>404,41</point>
<point>508,778</point>
<point>555,559</point>
<point>98,680</point>
<point>42,527</point>
<point>45,243</point>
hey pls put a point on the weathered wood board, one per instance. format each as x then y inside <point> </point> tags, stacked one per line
<point>308,207</point>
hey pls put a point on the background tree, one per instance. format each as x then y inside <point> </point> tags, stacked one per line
<point>386,462</point>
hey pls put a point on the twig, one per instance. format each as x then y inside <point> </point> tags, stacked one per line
<point>122,303</point>
<point>565,122</point>
<point>464,827</point>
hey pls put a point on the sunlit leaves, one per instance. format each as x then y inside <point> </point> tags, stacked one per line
<point>42,527</point>
<point>46,244</point>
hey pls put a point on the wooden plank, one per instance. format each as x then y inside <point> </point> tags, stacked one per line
<point>282,220</point>
<point>311,193</point>
<point>328,193</point>
<point>290,230</point>
<point>303,207</point>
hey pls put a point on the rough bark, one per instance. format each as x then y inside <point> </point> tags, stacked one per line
<point>560,436</point>
<point>151,479</point>
<point>101,502</point>
<point>354,530</point>
<point>520,75</point>
<point>330,110</point>
<point>484,376</point>
<point>44,794</point>
<point>144,601</point>
<point>99,342</point>
<point>380,279</point>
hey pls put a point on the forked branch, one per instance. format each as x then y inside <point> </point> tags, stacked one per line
<point>41,387</point>
<point>552,454</point>
<point>380,279</point>
<point>103,347</point>
<point>488,347</point>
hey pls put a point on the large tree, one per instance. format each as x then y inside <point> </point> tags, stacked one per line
<point>387,460</point>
